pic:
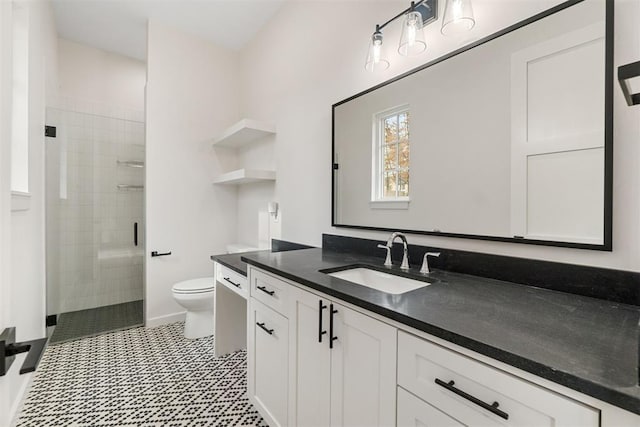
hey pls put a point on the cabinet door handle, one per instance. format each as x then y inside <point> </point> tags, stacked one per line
<point>237,285</point>
<point>266,291</point>
<point>491,408</point>
<point>331,337</point>
<point>135,234</point>
<point>321,307</point>
<point>264,328</point>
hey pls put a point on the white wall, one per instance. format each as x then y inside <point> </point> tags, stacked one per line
<point>192,94</point>
<point>6,319</point>
<point>22,268</point>
<point>100,77</point>
<point>295,80</point>
<point>253,198</point>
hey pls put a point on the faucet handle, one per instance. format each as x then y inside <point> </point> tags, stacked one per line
<point>405,260</point>
<point>425,262</point>
<point>387,261</point>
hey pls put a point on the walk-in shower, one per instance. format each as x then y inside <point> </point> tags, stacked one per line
<point>94,221</point>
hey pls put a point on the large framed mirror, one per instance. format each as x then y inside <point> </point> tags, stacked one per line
<point>507,139</point>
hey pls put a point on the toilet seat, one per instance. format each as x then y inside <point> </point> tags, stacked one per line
<point>194,286</point>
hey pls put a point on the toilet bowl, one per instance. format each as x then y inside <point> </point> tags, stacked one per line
<point>196,296</point>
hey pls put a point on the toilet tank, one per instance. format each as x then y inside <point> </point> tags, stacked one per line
<point>235,248</point>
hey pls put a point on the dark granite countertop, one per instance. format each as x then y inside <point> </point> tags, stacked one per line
<point>234,261</point>
<point>587,344</point>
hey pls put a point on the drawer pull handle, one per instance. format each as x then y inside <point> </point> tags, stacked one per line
<point>332,338</point>
<point>264,328</point>
<point>266,291</point>
<point>237,285</point>
<point>321,307</point>
<point>491,408</point>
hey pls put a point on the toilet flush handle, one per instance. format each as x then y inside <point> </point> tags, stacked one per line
<point>156,253</point>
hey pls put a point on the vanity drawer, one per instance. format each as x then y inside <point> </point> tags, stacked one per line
<point>232,280</point>
<point>269,290</point>
<point>414,412</point>
<point>468,390</point>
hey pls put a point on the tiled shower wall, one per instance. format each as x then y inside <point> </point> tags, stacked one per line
<point>92,260</point>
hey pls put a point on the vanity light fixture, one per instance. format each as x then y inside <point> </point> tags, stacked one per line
<point>412,42</point>
<point>412,38</point>
<point>375,61</point>
<point>458,17</point>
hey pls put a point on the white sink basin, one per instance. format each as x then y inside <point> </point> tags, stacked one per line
<point>379,280</point>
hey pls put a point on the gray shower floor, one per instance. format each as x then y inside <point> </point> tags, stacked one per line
<point>94,321</point>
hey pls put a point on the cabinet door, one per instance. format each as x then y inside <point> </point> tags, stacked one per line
<point>363,370</point>
<point>310,352</point>
<point>413,412</point>
<point>268,363</point>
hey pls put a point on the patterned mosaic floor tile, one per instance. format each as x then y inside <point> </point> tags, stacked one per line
<point>139,377</point>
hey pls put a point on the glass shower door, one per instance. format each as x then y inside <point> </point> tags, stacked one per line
<point>94,223</point>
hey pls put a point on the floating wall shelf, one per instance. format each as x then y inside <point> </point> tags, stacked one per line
<point>245,176</point>
<point>244,132</point>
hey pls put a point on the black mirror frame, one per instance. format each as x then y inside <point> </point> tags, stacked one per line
<point>608,138</point>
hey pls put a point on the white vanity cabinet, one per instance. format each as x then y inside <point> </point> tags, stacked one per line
<point>415,412</point>
<point>343,367</point>
<point>268,350</point>
<point>270,291</point>
<point>232,280</point>
<point>317,361</point>
<point>268,363</point>
<point>472,393</point>
<point>230,312</point>
<point>340,364</point>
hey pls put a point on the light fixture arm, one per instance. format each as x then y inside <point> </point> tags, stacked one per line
<point>401,14</point>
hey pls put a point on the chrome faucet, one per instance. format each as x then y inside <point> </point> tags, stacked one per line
<point>425,262</point>
<point>387,260</point>
<point>389,245</point>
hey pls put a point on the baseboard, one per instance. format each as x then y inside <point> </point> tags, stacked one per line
<point>21,396</point>
<point>164,320</point>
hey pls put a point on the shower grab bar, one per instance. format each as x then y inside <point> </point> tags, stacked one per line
<point>130,187</point>
<point>130,163</point>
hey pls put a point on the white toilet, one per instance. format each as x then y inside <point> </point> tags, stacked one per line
<point>196,296</point>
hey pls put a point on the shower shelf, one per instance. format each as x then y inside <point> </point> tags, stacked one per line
<point>131,163</point>
<point>130,187</point>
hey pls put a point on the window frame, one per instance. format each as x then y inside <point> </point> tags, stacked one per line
<point>19,57</point>
<point>378,200</point>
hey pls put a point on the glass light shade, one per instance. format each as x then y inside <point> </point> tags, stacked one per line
<point>412,38</point>
<point>458,17</point>
<point>375,58</point>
